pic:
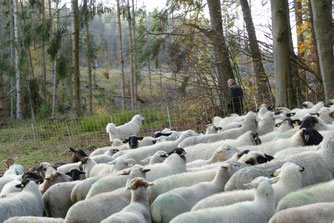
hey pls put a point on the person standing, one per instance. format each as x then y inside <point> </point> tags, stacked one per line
<point>236,97</point>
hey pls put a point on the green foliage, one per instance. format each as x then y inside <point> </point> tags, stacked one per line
<point>44,111</point>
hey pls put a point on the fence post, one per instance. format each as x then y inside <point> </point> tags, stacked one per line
<point>170,125</point>
<point>68,131</point>
<point>33,132</point>
<point>255,102</point>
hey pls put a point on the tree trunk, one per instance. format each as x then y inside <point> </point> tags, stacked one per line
<point>132,88</point>
<point>134,38</point>
<point>221,54</point>
<point>54,65</point>
<point>12,62</point>
<point>4,112</point>
<point>121,53</point>
<point>89,64</point>
<point>43,53</point>
<point>17,69</point>
<point>150,77</point>
<point>322,17</point>
<point>263,87</point>
<point>76,67</point>
<point>282,66</point>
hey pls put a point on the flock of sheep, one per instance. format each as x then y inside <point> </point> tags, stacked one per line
<point>270,166</point>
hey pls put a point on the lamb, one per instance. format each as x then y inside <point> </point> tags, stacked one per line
<point>146,151</point>
<point>28,202</point>
<point>259,210</point>
<point>138,211</point>
<point>180,200</point>
<point>318,167</point>
<point>57,199</point>
<point>319,212</point>
<point>34,220</point>
<point>205,150</point>
<point>322,192</point>
<point>289,180</point>
<point>124,131</point>
<point>105,204</point>
<point>249,124</point>
<point>303,137</point>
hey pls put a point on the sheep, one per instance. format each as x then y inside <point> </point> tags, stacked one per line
<point>322,192</point>
<point>28,202</point>
<point>126,130</point>
<point>319,212</point>
<point>249,124</point>
<point>57,199</point>
<point>267,124</point>
<point>205,150</point>
<point>45,169</point>
<point>105,204</point>
<point>13,172</point>
<point>34,220</point>
<point>168,183</point>
<point>307,104</point>
<point>75,174</point>
<point>303,137</point>
<point>285,153</point>
<point>211,129</point>
<point>177,201</point>
<point>157,157</point>
<point>315,123</point>
<point>146,151</point>
<point>77,155</point>
<point>221,122</point>
<point>80,190</point>
<point>68,167</point>
<point>326,115</point>
<point>100,151</point>
<point>218,156</point>
<point>134,142</point>
<point>302,113</point>
<point>138,210</point>
<point>318,167</point>
<point>53,178</point>
<point>259,210</point>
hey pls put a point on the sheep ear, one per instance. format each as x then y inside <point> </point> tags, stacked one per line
<point>273,180</point>
<point>144,170</point>
<point>140,138</point>
<point>278,124</point>
<point>301,169</point>
<point>72,150</point>
<point>150,183</point>
<point>126,141</point>
<point>225,166</point>
<point>125,172</point>
<point>306,136</point>
<point>19,186</point>
<point>249,185</point>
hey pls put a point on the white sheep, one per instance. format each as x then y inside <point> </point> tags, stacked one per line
<point>34,220</point>
<point>254,158</point>
<point>205,150</point>
<point>289,180</point>
<point>146,151</point>
<point>322,192</point>
<point>81,189</point>
<point>57,199</point>
<point>285,153</point>
<point>267,124</point>
<point>138,211</point>
<point>318,212</point>
<point>221,122</point>
<point>157,157</point>
<point>249,124</point>
<point>318,167</point>
<point>28,202</point>
<point>180,200</point>
<point>326,115</point>
<point>126,130</point>
<point>259,210</point>
<point>99,151</point>
<point>101,206</point>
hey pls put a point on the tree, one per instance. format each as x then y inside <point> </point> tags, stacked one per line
<point>54,64</point>
<point>221,53</point>
<point>134,40</point>
<point>322,17</point>
<point>17,69</point>
<point>43,52</point>
<point>281,41</point>
<point>263,87</point>
<point>76,67</point>
<point>121,53</point>
<point>132,55</point>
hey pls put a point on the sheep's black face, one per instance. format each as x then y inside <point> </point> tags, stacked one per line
<point>309,122</point>
<point>243,153</point>
<point>133,141</point>
<point>251,161</point>
<point>179,151</point>
<point>75,174</point>
<point>256,138</point>
<point>23,183</point>
<point>312,137</point>
<point>158,134</point>
<point>33,177</point>
<point>266,158</point>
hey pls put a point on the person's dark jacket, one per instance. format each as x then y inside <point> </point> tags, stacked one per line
<point>236,97</point>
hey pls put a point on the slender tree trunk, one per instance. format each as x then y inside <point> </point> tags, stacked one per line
<point>322,17</point>
<point>3,102</point>
<point>121,53</point>
<point>132,88</point>
<point>282,66</point>
<point>43,54</point>
<point>12,59</point>
<point>135,54</point>
<point>54,65</point>
<point>150,77</point>
<point>89,64</point>
<point>263,86</point>
<point>221,53</point>
<point>161,96</point>
<point>17,69</point>
<point>76,67</point>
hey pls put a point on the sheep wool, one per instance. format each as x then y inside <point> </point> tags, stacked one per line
<point>34,220</point>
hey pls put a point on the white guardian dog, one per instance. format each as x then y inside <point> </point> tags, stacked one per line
<point>124,131</point>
